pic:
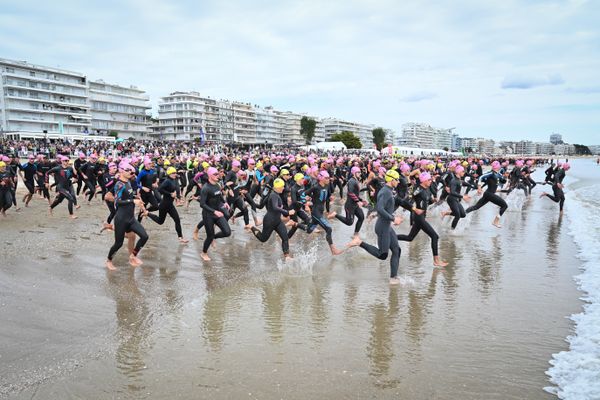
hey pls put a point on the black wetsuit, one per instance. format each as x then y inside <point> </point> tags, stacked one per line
<point>167,206</point>
<point>454,199</point>
<point>211,200</point>
<point>272,222</point>
<point>491,179</point>
<point>353,206</point>
<point>422,199</point>
<point>125,219</point>
<point>6,184</point>
<point>559,195</point>
<point>320,196</point>
<point>64,186</point>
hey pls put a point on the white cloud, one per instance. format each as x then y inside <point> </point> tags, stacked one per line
<point>353,59</point>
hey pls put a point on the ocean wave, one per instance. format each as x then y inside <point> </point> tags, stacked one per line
<point>576,372</point>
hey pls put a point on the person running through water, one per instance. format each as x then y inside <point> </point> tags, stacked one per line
<point>319,195</point>
<point>170,191</point>
<point>6,183</point>
<point>422,197</point>
<point>213,211</point>
<point>454,197</point>
<point>272,221</point>
<point>557,187</point>
<point>353,203</point>
<point>125,221</point>
<point>29,170</point>
<point>63,175</point>
<point>491,179</point>
<point>387,241</point>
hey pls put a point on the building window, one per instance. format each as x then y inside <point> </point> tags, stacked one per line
<point>10,70</point>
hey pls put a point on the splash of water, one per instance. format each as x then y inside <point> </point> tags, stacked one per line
<point>302,264</point>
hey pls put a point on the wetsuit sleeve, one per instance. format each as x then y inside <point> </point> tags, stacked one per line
<point>140,176</point>
<point>165,187</point>
<point>203,200</point>
<point>276,206</point>
<point>50,172</point>
<point>119,200</point>
<point>453,190</point>
<point>384,197</point>
<point>353,191</point>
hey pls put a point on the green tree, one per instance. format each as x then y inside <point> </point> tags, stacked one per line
<point>307,128</point>
<point>348,138</point>
<point>379,138</point>
<point>114,134</point>
<point>581,149</point>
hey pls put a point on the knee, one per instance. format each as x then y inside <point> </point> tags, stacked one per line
<point>383,256</point>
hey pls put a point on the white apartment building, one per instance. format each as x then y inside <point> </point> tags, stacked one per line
<point>180,116</point>
<point>291,128</point>
<point>485,146</point>
<point>525,147</point>
<point>364,132</point>
<point>268,126</point>
<point>118,109</point>
<point>426,136</point>
<point>40,99</point>
<point>244,123</point>
<point>564,149</point>
<point>544,148</point>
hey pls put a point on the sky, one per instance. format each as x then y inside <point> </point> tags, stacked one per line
<point>506,70</point>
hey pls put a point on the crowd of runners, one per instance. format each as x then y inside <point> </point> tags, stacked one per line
<point>285,191</point>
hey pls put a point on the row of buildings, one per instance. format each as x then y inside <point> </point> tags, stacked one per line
<point>423,135</point>
<point>39,99</point>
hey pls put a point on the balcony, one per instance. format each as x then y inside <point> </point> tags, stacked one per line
<point>45,80</point>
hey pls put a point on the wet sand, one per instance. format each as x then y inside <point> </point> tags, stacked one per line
<point>246,325</point>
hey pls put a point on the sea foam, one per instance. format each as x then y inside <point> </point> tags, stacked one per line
<point>576,372</point>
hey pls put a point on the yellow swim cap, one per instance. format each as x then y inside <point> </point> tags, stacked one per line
<point>391,175</point>
<point>430,166</point>
<point>298,176</point>
<point>195,164</point>
<point>205,165</point>
<point>2,164</point>
<point>284,172</point>
<point>304,167</point>
<point>278,183</point>
<point>167,162</point>
<point>465,164</point>
<point>171,170</point>
<point>259,164</point>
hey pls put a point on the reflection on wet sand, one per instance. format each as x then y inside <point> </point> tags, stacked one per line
<point>134,327</point>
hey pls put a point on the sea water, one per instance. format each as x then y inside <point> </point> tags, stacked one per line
<point>576,372</point>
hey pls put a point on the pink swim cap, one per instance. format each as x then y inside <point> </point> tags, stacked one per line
<point>459,169</point>
<point>529,162</point>
<point>124,166</point>
<point>519,163</point>
<point>404,167</point>
<point>354,170</point>
<point>381,170</point>
<point>376,164</point>
<point>236,163</point>
<point>62,158</point>
<point>251,161</point>
<point>81,155</point>
<point>323,175</point>
<point>496,165</point>
<point>424,176</point>
<point>566,166</point>
<point>241,172</point>
<point>212,171</point>
<point>274,169</point>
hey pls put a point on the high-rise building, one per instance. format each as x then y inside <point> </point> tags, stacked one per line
<point>364,132</point>
<point>180,116</point>
<point>556,138</point>
<point>41,99</point>
<point>118,109</point>
<point>426,136</point>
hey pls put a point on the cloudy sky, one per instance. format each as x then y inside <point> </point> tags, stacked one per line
<point>500,69</point>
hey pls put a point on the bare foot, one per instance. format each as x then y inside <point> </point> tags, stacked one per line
<point>195,234</point>
<point>205,256</point>
<point>135,261</point>
<point>394,281</point>
<point>49,210</point>
<point>109,264</point>
<point>439,263</point>
<point>247,227</point>
<point>335,251</point>
<point>356,241</point>
<point>317,230</point>
<point>77,207</point>
<point>73,216</point>
<point>183,241</point>
<point>288,257</point>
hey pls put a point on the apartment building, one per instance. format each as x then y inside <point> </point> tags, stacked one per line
<point>38,99</point>
<point>118,109</point>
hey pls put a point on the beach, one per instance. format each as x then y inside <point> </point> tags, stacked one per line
<point>248,325</point>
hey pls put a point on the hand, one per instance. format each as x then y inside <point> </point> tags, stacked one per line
<point>479,191</point>
<point>145,189</point>
<point>397,220</point>
<point>291,212</point>
<point>418,211</point>
<point>466,197</point>
<point>174,194</point>
<point>218,214</point>
<point>364,203</point>
<point>138,203</point>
